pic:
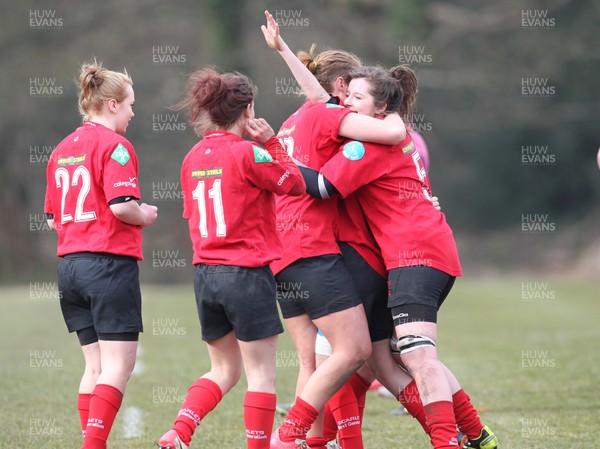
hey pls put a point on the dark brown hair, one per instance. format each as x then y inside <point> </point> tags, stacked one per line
<point>216,100</point>
<point>397,88</point>
<point>407,78</point>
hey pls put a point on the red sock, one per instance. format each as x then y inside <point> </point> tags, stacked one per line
<point>466,416</point>
<point>411,400</point>
<point>105,402</point>
<point>259,414</point>
<point>297,421</point>
<point>202,397</point>
<point>442,425</point>
<point>344,409</point>
<point>317,442</point>
<point>329,425</point>
<point>360,387</point>
<point>83,406</point>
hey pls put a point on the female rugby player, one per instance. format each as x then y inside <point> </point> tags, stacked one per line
<point>312,262</point>
<point>418,249</point>
<point>91,202</point>
<point>229,186</point>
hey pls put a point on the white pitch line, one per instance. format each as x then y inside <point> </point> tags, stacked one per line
<point>133,422</point>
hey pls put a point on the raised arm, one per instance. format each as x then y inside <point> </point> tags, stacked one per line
<point>308,83</point>
<point>389,131</point>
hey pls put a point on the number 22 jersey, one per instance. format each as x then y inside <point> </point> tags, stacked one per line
<point>88,169</point>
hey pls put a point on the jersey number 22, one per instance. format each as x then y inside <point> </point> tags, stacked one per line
<point>61,176</point>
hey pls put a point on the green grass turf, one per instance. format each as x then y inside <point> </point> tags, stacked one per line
<point>527,352</point>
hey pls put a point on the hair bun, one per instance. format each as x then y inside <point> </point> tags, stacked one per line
<point>95,79</point>
<point>91,76</point>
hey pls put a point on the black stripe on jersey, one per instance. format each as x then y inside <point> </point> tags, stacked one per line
<point>121,199</point>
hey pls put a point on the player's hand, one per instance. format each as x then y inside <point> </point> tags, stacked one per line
<point>51,224</point>
<point>150,214</point>
<point>271,33</point>
<point>436,202</point>
<point>259,130</point>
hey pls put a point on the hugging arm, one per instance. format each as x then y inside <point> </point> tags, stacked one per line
<point>317,185</point>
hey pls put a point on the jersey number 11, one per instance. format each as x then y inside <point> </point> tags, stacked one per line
<point>215,194</point>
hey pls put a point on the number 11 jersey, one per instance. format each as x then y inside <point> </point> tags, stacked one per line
<point>228,185</point>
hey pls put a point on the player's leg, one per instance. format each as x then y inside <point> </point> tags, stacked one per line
<point>373,290</point>
<point>292,293</point>
<point>303,333</point>
<point>397,380</point>
<point>344,409</point>
<point>342,414</point>
<point>415,296</point>
<point>207,391</point>
<point>471,430</point>
<point>331,301</point>
<point>347,332</point>
<point>260,399</point>
<point>348,403</point>
<point>91,354</point>
<point>117,362</point>
<point>211,285</point>
<point>78,318</point>
<point>93,368</point>
<point>475,434</point>
<point>226,362</point>
<point>467,418</point>
<point>361,383</point>
<point>108,287</point>
<point>424,366</point>
<point>258,333</point>
<point>323,350</point>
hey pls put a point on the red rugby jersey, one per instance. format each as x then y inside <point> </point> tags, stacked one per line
<point>352,228</point>
<point>228,185</point>
<point>89,168</point>
<point>393,190</point>
<point>305,224</point>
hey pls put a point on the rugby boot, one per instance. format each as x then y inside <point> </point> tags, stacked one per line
<point>486,440</point>
<point>171,440</point>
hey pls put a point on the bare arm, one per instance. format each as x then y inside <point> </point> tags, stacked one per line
<point>136,214</point>
<point>389,131</point>
<point>308,83</point>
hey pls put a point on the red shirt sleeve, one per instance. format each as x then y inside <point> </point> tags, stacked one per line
<point>269,173</point>
<point>49,184</point>
<point>187,197</point>
<point>356,165</point>
<point>121,172</point>
<point>328,117</point>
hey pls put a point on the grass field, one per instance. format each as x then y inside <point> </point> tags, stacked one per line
<point>526,351</point>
